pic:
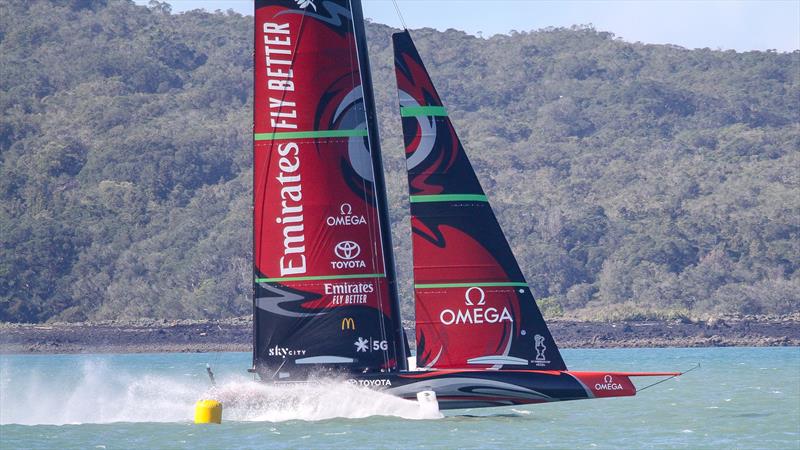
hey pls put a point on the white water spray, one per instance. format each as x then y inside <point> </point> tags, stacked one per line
<point>96,393</point>
<point>251,401</point>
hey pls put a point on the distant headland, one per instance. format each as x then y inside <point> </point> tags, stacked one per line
<point>235,334</point>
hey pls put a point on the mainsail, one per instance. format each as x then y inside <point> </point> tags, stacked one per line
<point>325,294</point>
<point>473,306</point>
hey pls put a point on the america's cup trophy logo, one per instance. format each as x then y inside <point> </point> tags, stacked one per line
<point>540,347</point>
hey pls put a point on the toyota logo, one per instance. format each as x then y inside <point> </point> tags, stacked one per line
<point>347,250</point>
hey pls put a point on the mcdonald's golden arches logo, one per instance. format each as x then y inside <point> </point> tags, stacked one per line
<point>348,324</point>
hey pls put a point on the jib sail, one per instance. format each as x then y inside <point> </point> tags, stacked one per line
<point>473,306</point>
<point>325,294</point>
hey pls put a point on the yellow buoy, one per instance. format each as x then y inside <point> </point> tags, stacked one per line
<point>208,411</point>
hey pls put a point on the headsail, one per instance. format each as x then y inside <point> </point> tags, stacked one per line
<point>325,294</point>
<point>473,306</point>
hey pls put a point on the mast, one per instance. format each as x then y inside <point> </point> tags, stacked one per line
<point>380,182</point>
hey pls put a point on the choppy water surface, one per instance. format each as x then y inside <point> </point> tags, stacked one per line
<point>739,398</point>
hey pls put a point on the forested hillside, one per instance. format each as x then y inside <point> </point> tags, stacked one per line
<point>632,180</point>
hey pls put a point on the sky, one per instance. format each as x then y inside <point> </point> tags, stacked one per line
<point>717,24</point>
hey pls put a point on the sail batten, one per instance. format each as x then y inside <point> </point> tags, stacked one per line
<point>321,277</point>
<point>448,198</point>
<point>431,111</point>
<point>471,284</point>
<point>309,134</point>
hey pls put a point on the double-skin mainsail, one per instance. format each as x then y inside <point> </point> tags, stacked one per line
<point>325,292</point>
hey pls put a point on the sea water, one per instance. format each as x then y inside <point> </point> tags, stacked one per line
<point>738,398</point>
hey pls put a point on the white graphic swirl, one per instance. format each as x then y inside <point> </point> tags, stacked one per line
<point>357,150</point>
<point>427,128</point>
<point>273,304</point>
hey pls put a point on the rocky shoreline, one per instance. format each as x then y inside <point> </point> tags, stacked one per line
<point>235,335</point>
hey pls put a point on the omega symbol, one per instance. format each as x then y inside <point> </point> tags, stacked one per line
<point>469,298</point>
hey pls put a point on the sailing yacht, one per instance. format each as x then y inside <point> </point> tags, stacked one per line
<point>326,301</point>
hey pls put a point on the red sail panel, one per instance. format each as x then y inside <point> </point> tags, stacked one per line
<point>322,296</point>
<point>473,306</point>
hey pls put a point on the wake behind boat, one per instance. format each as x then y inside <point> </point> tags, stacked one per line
<point>325,299</point>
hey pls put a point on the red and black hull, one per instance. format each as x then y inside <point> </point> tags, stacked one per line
<point>458,389</point>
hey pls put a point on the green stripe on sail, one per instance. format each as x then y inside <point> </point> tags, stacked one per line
<point>321,277</point>
<point>468,285</point>
<point>448,198</point>
<point>413,111</point>
<point>309,134</point>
